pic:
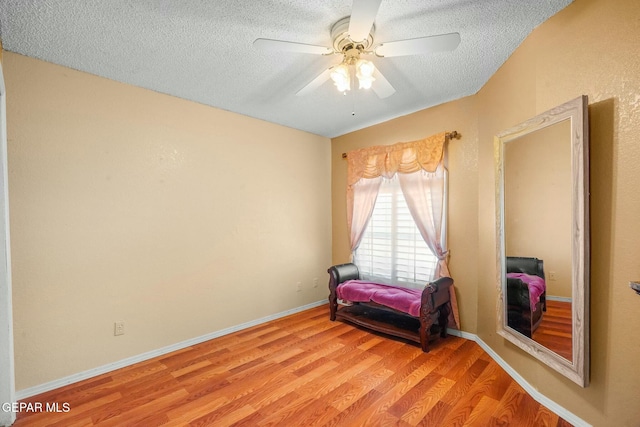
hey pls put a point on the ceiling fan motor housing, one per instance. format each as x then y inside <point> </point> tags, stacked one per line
<point>342,43</point>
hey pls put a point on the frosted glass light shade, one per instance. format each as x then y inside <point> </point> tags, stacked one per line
<point>341,78</point>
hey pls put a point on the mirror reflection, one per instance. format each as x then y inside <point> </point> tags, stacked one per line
<point>537,236</point>
<point>542,236</point>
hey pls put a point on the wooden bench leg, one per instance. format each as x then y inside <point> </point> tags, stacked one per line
<point>333,303</point>
<point>443,319</point>
<point>425,326</point>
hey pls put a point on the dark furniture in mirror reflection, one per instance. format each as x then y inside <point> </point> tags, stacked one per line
<point>523,315</point>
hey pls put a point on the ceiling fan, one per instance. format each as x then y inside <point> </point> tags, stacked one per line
<point>353,38</point>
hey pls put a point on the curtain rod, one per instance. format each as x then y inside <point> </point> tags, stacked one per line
<point>450,135</point>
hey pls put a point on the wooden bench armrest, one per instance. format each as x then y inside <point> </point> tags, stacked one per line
<point>343,272</point>
<point>339,274</point>
<point>436,294</point>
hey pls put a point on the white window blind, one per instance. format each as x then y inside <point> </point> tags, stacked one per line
<point>392,249</point>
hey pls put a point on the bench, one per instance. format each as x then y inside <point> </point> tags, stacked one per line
<point>417,315</point>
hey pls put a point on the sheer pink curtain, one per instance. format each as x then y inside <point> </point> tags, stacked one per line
<point>421,174</point>
<point>424,193</point>
<point>365,193</point>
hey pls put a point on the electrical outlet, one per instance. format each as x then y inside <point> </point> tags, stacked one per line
<point>298,286</point>
<point>552,276</point>
<point>315,282</point>
<point>118,328</point>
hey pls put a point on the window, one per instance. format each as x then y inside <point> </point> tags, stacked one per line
<point>392,249</point>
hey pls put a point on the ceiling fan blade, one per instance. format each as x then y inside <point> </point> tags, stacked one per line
<point>363,13</point>
<point>285,46</point>
<point>315,83</point>
<point>381,85</point>
<point>421,45</point>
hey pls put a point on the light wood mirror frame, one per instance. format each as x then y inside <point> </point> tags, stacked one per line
<point>575,366</point>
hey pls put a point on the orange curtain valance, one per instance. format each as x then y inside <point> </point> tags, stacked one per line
<point>403,157</point>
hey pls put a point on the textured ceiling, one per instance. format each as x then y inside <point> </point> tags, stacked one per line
<point>201,50</point>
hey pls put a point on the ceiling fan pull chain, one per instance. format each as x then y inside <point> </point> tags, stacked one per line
<point>353,104</point>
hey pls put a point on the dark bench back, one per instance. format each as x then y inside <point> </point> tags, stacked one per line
<point>533,266</point>
<point>343,272</point>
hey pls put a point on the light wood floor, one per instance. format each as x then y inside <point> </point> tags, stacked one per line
<point>555,328</point>
<point>302,370</point>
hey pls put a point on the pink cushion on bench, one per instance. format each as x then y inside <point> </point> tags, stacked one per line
<point>398,298</point>
<point>536,285</point>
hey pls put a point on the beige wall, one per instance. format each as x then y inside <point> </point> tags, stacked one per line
<point>588,48</point>
<point>463,198</point>
<point>177,218</point>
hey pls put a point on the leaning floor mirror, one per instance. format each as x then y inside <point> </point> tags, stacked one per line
<point>542,170</point>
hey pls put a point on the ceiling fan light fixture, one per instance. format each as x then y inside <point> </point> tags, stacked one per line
<point>364,73</point>
<point>364,68</point>
<point>341,78</point>
<point>365,83</point>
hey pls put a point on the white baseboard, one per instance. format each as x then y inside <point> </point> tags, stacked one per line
<point>537,396</point>
<point>80,376</point>
<point>561,299</point>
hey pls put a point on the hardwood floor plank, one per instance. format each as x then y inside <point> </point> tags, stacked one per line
<point>545,418</point>
<point>563,423</point>
<point>435,415</point>
<point>80,392</point>
<point>287,415</point>
<point>222,419</point>
<point>132,412</point>
<point>305,357</point>
<point>281,356</point>
<point>458,370</point>
<point>266,410</point>
<point>207,379</point>
<point>391,390</point>
<point>269,392</point>
<point>154,420</point>
<point>360,385</point>
<point>81,413</point>
<point>358,343</point>
<point>555,330</point>
<point>384,420</point>
<point>318,412</point>
<point>301,370</point>
<point>194,355</point>
<point>465,405</point>
<point>465,382</point>
<point>339,375</point>
<point>499,383</point>
<point>402,405</point>
<point>464,351</point>
<point>481,414</point>
<point>193,408</point>
<point>374,341</point>
<point>508,405</point>
<point>527,410</point>
<point>403,369</point>
<point>465,395</point>
<point>349,416</point>
<point>421,407</point>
